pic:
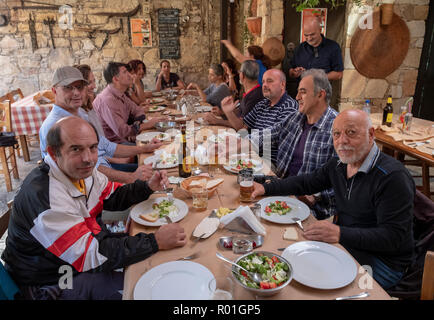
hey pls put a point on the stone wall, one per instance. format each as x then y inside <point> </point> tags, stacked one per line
<point>401,83</point>
<point>33,70</point>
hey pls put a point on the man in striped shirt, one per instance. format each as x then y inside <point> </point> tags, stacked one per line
<point>304,139</point>
<point>274,109</point>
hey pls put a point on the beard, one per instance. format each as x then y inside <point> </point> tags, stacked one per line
<point>355,156</point>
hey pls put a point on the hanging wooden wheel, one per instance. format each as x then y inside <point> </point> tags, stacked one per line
<point>379,51</point>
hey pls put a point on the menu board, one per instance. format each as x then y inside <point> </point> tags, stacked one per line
<point>141,32</point>
<point>168,33</point>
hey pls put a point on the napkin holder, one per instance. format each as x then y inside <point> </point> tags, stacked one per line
<point>243,221</point>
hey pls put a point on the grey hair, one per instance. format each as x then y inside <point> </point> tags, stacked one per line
<point>250,69</point>
<point>320,82</point>
<point>218,69</point>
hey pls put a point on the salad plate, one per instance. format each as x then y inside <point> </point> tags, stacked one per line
<point>320,265</point>
<point>148,136</point>
<point>176,211</point>
<point>168,281</point>
<point>156,108</point>
<point>157,100</point>
<point>242,161</point>
<point>283,209</point>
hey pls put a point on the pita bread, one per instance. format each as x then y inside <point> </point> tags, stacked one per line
<point>214,183</point>
<point>290,234</point>
<point>152,217</point>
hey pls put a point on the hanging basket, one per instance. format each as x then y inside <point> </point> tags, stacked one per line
<point>386,13</point>
<point>254,24</point>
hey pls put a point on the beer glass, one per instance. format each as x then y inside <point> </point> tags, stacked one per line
<point>246,184</point>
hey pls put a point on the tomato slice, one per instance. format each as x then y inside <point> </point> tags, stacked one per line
<point>272,285</point>
<point>274,259</point>
<point>264,285</point>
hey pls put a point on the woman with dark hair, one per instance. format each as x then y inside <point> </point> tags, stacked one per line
<point>167,79</point>
<point>217,90</point>
<point>137,92</point>
<point>253,53</point>
<point>232,77</point>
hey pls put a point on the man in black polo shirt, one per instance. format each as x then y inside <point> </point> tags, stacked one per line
<point>374,199</point>
<point>317,52</point>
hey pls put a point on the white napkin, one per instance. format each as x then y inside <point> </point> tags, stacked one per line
<point>245,213</point>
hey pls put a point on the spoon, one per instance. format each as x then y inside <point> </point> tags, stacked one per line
<point>256,277</point>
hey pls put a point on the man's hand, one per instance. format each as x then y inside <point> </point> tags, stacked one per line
<point>228,104</point>
<point>210,118</point>
<point>217,111</point>
<point>191,85</point>
<point>258,190</point>
<point>296,72</point>
<point>322,230</point>
<point>143,172</point>
<point>170,236</point>
<point>158,180</point>
<point>131,139</point>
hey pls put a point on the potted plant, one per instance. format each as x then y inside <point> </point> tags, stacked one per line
<point>254,23</point>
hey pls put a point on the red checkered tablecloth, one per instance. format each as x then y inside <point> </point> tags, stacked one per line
<point>28,116</point>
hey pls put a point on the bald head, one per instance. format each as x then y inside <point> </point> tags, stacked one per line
<point>353,136</point>
<point>273,85</point>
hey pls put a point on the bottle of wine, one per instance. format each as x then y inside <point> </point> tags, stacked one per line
<point>388,113</point>
<point>184,165</point>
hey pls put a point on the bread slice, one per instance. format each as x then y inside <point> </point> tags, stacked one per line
<point>151,217</point>
<point>197,183</point>
<point>213,183</point>
<point>290,234</point>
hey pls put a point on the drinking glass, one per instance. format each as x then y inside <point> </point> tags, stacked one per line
<point>246,185</point>
<point>200,198</point>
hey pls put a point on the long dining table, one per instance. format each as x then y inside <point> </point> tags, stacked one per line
<point>227,195</point>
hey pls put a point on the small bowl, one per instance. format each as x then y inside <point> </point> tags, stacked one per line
<point>264,292</point>
<point>163,126</point>
<point>226,242</point>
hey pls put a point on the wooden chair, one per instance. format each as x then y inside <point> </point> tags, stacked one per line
<point>4,219</point>
<point>427,292</point>
<point>7,154</point>
<point>12,96</point>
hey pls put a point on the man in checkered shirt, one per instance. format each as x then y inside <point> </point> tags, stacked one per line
<point>304,139</point>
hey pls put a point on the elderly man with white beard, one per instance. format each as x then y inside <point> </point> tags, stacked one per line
<point>374,199</point>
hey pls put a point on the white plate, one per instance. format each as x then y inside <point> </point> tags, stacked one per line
<point>156,108</point>
<point>222,137</point>
<point>299,210</point>
<point>148,136</point>
<point>157,94</point>
<point>161,156</point>
<point>145,207</point>
<point>320,265</point>
<point>231,167</point>
<point>175,280</point>
<point>203,109</point>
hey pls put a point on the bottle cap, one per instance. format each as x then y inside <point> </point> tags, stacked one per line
<point>368,101</point>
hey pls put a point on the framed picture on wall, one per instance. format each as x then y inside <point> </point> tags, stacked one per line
<point>141,32</point>
<point>307,14</point>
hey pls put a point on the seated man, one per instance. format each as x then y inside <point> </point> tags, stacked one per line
<point>374,199</point>
<point>304,139</point>
<point>120,117</point>
<point>56,222</point>
<point>234,111</point>
<point>69,88</point>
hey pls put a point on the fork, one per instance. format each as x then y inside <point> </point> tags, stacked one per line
<point>169,192</point>
<point>190,257</point>
<point>298,221</point>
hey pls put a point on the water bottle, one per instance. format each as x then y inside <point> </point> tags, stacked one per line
<point>367,106</point>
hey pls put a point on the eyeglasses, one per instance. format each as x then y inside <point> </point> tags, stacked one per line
<point>79,87</point>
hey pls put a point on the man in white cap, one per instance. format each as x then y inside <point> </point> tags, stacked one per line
<point>69,87</point>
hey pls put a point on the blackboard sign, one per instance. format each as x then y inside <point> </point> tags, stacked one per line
<point>168,33</point>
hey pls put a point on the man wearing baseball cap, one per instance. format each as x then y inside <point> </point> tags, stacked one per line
<point>69,86</point>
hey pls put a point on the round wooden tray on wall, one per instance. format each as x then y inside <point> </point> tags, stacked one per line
<point>274,49</point>
<point>379,51</point>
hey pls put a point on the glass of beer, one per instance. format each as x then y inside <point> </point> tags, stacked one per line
<point>246,184</point>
